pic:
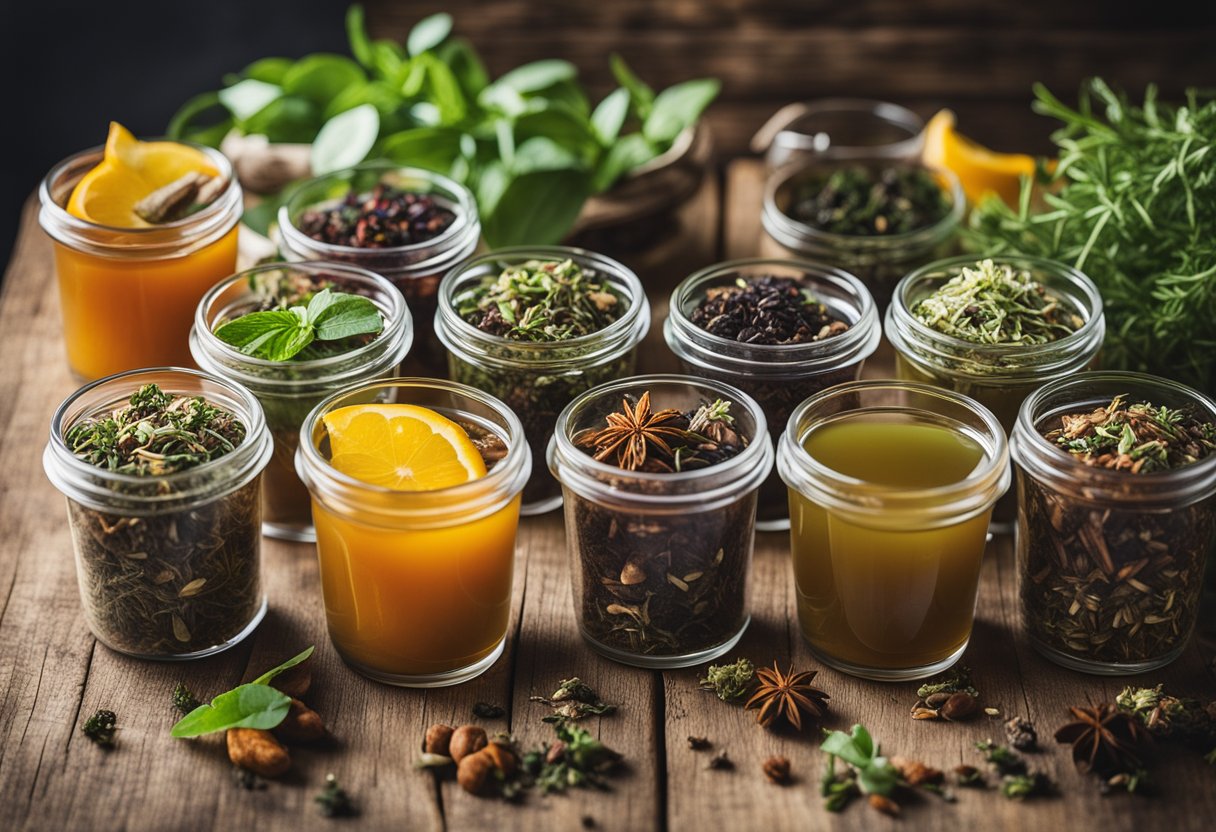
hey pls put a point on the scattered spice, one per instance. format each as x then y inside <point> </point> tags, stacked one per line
<point>183,196</point>
<point>787,697</point>
<point>333,800</point>
<point>766,310</point>
<point>777,770</point>
<point>699,743</point>
<point>245,779</point>
<point>183,700</point>
<point>721,761</point>
<point>485,710</point>
<point>575,759</point>
<point>1168,717</point>
<point>573,700</point>
<point>969,776</point>
<point>729,682</point>
<point>101,727</point>
<point>1018,781</point>
<point>1021,734</point>
<point>387,217</point>
<point>1104,740</point>
<point>856,200</point>
<point>949,696</point>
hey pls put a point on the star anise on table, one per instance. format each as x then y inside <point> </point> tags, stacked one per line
<point>1104,739</point>
<point>633,433</point>
<point>787,696</point>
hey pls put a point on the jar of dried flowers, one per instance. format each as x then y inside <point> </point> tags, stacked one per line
<point>660,476</point>
<point>1117,486</point>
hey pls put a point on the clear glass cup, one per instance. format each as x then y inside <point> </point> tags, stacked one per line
<point>891,488</point>
<point>417,584</point>
<point>128,294</point>
<point>288,390</point>
<point>840,128</point>
<point>660,562</point>
<point>538,379</point>
<point>168,566</point>
<point>778,376</point>
<point>1110,563</point>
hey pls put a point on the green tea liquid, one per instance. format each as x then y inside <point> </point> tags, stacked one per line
<point>884,597</point>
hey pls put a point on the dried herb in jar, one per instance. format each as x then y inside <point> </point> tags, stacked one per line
<point>178,581</point>
<point>1110,584</point>
<point>387,217</point>
<point>766,310</point>
<point>662,585</point>
<point>869,202</point>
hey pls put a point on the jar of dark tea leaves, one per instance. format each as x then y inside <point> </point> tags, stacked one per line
<point>780,331</point>
<point>660,476</point>
<point>161,469</point>
<point>1117,488</point>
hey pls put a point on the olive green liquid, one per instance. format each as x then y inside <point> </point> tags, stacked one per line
<point>902,596</point>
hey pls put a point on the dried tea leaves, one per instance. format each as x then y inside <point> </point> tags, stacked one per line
<point>766,310</point>
<point>859,201</point>
<point>1139,438</point>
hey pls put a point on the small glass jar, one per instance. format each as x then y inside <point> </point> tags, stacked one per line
<point>168,566</point>
<point>538,379</point>
<point>288,390</point>
<point>840,128</point>
<point>891,487</point>
<point>878,260</point>
<point>1110,563</point>
<point>417,584</point>
<point>414,269</point>
<point>778,376</point>
<point>128,294</point>
<point>660,562</point>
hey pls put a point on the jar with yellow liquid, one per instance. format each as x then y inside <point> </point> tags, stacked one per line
<point>891,488</point>
<point>416,583</point>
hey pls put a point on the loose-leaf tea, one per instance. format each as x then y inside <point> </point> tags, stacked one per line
<point>184,700</point>
<point>730,682</point>
<point>860,201</point>
<point>576,759</point>
<point>1111,584</point>
<point>573,700</point>
<point>1169,717</point>
<point>387,217</point>
<point>177,581</point>
<point>333,800</point>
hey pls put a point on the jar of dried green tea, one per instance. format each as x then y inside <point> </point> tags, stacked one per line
<point>1117,488</point>
<point>161,469</point>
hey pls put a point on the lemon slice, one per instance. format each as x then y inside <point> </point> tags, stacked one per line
<point>401,446</point>
<point>128,172</point>
<point>980,171</point>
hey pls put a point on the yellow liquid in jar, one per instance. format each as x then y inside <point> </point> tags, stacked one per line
<point>899,596</point>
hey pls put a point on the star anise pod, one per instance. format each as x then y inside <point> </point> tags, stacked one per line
<point>1104,739</point>
<point>633,433</point>
<point>787,696</point>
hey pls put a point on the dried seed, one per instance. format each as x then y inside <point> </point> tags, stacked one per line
<point>191,589</point>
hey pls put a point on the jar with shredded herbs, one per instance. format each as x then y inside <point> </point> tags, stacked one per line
<point>536,327</point>
<point>161,470</point>
<point>1117,485</point>
<point>660,476</point>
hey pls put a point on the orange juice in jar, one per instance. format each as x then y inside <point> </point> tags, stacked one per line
<point>415,488</point>
<point>134,251</point>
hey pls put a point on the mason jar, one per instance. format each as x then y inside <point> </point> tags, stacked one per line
<point>288,390</point>
<point>778,376</point>
<point>128,295</point>
<point>661,562</point>
<point>414,269</point>
<point>417,584</point>
<point>538,379</point>
<point>840,128</point>
<point>878,260</point>
<point>1110,563</point>
<point>168,566</point>
<point>891,488</point>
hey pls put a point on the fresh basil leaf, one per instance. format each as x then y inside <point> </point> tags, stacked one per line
<point>537,208</point>
<point>445,89</point>
<point>503,99</point>
<point>245,98</point>
<point>275,335</point>
<point>465,64</point>
<point>432,148</point>
<point>537,76</point>
<point>185,115</point>
<point>320,77</point>
<point>626,154</point>
<point>540,153</point>
<point>248,706</point>
<point>504,134</point>
<point>566,94</point>
<point>491,184</point>
<point>299,658</point>
<point>390,61</point>
<point>609,116</point>
<point>345,316</point>
<point>286,119</point>
<point>641,94</point>
<point>356,34</point>
<point>269,70</point>
<point>677,108</point>
<point>345,140</point>
<point>560,124</point>
<point>318,304</point>
<point>379,94</point>
<point>428,33</point>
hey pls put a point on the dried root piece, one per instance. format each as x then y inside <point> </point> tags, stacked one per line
<point>257,751</point>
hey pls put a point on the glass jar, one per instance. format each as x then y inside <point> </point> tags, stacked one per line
<point>288,390</point>
<point>1110,563</point>
<point>891,487</point>
<point>840,128</point>
<point>168,566</point>
<point>878,260</point>
<point>414,269</point>
<point>128,294</point>
<point>417,584</point>
<point>660,562</point>
<point>538,379</point>
<point>778,376</point>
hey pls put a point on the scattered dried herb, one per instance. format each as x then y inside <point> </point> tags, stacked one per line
<point>969,776</point>
<point>721,762</point>
<point>333,801</point>
<point>729,682</point>
<point>787,697</point>
<point>387,217</point>
<point>865,772</point>
<point>575,759</point>
<point>699,743</point>
<point>1140,438</point>
<point>1168,717</point>
<point>955,680</point>
<point>183,700</point>
<point>856,200</point>
<point>1105,740</point>
<point>573,700</point>
<point>1022,786</point>
<point>1018,781</point>
<point>777,770</point>
<point>485,710</point>
<point>101,727</point>
<point>1021,734</point>
<point>949,696</point>
<point>767,309</point>
<point>245,779</point>
<point>329,323</point>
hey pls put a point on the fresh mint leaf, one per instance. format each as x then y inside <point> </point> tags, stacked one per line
<point>269,675</point>
<point>344,316</point>
<point>560,123</point>
<point>275,335</point>
<point>641,95</point>
<point>356,34</point>
<point>245,98</point>
<point>429,33</point>
<point>677,108</point>
<point>878,776</point>
<point>846,747</point>
<point>445,90</point>
<point>345,140</point>
<point>609,116</point>
<point>320,77</point>
<point>625,155</point>
<point>379,94</point>
<point>248,706</point>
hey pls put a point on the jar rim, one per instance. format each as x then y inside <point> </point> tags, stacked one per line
<point>790,138</point>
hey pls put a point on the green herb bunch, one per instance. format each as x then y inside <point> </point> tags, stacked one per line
<point>541,300</point>
<point>1130,203</point>
<point>331,323</point>
<point>529,144</point>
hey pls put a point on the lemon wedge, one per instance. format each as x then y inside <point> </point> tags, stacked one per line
<point>980,171</point>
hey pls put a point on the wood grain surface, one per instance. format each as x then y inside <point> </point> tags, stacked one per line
<point>53,674</point>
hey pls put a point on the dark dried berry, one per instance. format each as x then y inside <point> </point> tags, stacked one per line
<point>387,217</point>
<point>766,310</point>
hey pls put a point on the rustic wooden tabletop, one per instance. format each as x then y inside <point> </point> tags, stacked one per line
<point>53,673</point>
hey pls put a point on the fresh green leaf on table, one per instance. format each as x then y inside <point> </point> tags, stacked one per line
<point>677,108</point>
<point>345,140</point>
<point>248,706</point>
<point>299,658</point>
<point>428,33</point>
<point>245,98</point>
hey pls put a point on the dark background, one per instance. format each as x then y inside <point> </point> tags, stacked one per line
<point>74,66</point>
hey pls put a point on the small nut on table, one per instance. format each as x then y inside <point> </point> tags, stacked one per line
<point>503,757</point>
<point>257,751</point>
<point>466,740</point>
<point>438,739</point>
<point>302,724</point>
<point>960,706</point>
<point>475,772</point>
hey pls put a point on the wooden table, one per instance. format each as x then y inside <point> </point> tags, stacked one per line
<point>53,674</point>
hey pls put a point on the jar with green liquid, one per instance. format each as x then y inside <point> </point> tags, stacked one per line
<point>891,490</point>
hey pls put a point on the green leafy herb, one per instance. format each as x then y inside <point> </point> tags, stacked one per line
<point>858,201</point>
<point>866,770</point>
<point>333,800</point>
<point>183,700</point>
<point>955,680</point>
<point>253,705</point>
<point>346,139</point>
<point>282,334</point>
<point>729,682</point>
<point>1017,780</point>
<point>577,759</point>
<point>101,727</point>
